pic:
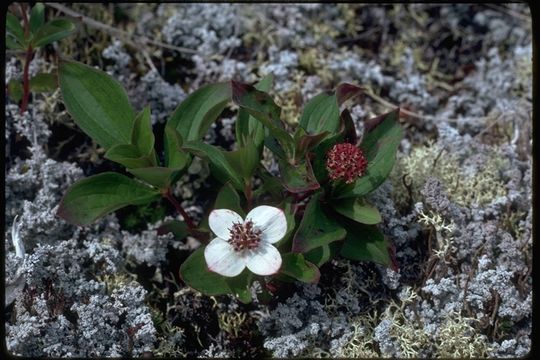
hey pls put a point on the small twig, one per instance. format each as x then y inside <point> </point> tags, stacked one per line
<point>510,12</point>
<point>388,104</point>
<point>494,312</point>
<point>474,264</point>
<point>149,61</point>
<point>189,221</point>
<point>487,128</point>
<point>129,37</point>
<point>363,35</point>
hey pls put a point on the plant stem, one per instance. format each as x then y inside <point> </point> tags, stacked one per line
<point>28,60</point>
<point>249,195</point>
<point>189,221</point>
<point>25,20</point>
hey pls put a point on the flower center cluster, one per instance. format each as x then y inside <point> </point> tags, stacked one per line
<point>244,236</point>
<point>346,161</point>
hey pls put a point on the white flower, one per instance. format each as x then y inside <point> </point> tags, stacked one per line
<point>240,243</point>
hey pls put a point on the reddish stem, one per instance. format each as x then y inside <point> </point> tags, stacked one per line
<point>25,20</point>
<point>189,221</point>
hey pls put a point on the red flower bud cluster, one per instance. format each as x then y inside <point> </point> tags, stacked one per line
<point>346,161</point>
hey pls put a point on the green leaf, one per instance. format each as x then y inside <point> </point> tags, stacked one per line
<point>195,273</point>
<point>44,82</point>
<point>129,156</point>
<point>199,110</point>
<point>380,145</point>
<point>273,145</point>
<point>222,169</point>
<point>98,103</point>
<point>322,112</point>
<point>294,265</point>
<point>359,210</point>
<point>297,178</point>
<point>37,17</point>
<point>91,198</point>
<point>366,243</point>
<point>175,156</point>
<point>239,286</point>
<point>141,135</point>
<point>12,43</point>
<point>15,90</point>
<point>347,129</point>
<point>261,106</point>
<point>316,228</point>
<point>270,184</point>
<point>53,31</point>
<point>191,120</point>
<point>160,177</point>
<point>178,228</point>
<point>320,255</point>
<point>228,198</point>
<point>247,127</point>
<point>347,91</point>
<point>244,160</point>
<point>14,27</point>
<point>305,142</point>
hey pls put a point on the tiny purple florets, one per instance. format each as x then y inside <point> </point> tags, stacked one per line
<point>245,236</point>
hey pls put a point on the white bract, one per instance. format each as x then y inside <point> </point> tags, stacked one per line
<point>240,243</point>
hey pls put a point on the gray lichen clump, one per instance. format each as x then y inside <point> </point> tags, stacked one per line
<point>457,206</point>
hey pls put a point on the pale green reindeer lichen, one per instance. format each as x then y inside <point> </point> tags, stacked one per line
<point>361,344</point>
<point>411,172</point>
<point>232,322</point>
<point>458,339</point>
<point>443,232</point>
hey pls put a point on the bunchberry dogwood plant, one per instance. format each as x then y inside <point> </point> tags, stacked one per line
<point>245,243</point>
<point>34,33</point>
<point>263,226</point>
